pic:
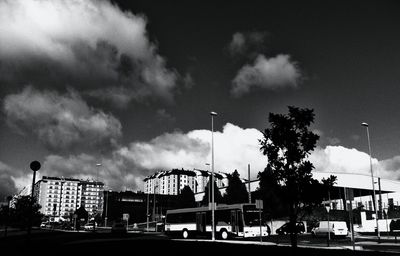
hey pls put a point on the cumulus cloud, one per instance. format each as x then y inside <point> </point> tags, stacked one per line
<point>91,44</point>
<point>271,74</point>
<point>8,175</point>
<point>345,160</point>
<point>60,121</point>
<point>234,148</point>
<point>247,44</point>
<point>115,171</point>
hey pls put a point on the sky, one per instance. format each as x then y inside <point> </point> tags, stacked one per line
<point>131,85</point>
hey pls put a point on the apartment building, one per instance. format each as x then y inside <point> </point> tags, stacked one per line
<point>61,197</point>
<point>172,181</point>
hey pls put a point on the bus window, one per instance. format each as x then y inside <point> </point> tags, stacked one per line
<point>222,217</point>
<point>251,216</point>
<point>201,221</point>
<point>188,217</point>
<point>240,220</point>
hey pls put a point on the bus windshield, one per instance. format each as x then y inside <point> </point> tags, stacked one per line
<point>252,216</point>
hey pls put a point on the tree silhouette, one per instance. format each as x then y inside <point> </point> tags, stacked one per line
<point>236,191</point>
<point>19,214</point>
<point>186,198</point>
<point>287,144</point>
<point>217,194</point>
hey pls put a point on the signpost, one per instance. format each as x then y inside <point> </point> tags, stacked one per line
<point>386,215</point>
<point>75,216</point>
<point>329,226</point>
<point>259,206</point>
<point>125,216</point>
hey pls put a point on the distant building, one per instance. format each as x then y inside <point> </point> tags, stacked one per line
<point>171,182</point>
<point>61,197</point>
<point>137,205</point>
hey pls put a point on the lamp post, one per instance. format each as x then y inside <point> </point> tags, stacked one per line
<point>154,203</point>
<point>97,171</point>
<point>106,217</point>
<point>35,166</point>
<point>209,185</point>
<point>147,210</point>
<point>373,182</point>
<point>212,177</point>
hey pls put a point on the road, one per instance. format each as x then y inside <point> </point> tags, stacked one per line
<point>103,242</point>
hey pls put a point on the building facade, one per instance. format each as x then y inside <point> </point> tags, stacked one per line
<point>173,181</point>
<point>61,197</point>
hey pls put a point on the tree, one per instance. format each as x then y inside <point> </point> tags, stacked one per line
<point>217,194</point>
<point>236,191</point>
<point>20,213</point>
<point>186,198</point>
<point>82,216</point>
<point>287,144</point>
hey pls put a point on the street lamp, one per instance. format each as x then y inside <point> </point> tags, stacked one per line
<point>373,183</point>
<point>106,217</point>
<point>212,176</point>
<point>209,185</point>
<point>97,171</point>
<point>35,166</point>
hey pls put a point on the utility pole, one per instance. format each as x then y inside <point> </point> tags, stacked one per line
<point>212,178</point>
<point>373,183</point>
<point>248,170</point>
<point>380,208</point>
<point>147,211</point>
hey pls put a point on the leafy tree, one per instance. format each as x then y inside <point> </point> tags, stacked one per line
<point>19,215</point>
<point>217,194</point>
<point>287,144</point>
<point>236,191</point>
<point>186,198</point>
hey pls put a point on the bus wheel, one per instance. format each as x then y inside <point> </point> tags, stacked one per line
<point>185,233</point>
<point>224,234</point>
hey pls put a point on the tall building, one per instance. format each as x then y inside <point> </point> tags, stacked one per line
<point>171,182</point>
<point>61,197</point>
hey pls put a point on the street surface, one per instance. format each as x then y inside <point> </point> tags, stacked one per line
<point>103,242</point>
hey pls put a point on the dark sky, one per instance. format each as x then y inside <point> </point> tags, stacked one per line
<point>339,58</point>
<point>348,54</point>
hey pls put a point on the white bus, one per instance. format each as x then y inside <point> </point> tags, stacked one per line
<point>230,220</point>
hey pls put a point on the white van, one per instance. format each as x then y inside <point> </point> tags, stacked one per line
<point>337,228</point>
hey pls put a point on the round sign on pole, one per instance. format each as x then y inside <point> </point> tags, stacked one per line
<point>35,166</point>
<point>327,208</point>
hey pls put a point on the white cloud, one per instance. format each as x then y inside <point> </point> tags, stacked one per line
<point>60,121</point>
<point>238,43</point>
<point>234,147</point>
<point>247,43</point>
<point>8,176</point>
<point>114,171</point>
<point>271,74</point>
<point>341,159</point>
<point>92,44</point>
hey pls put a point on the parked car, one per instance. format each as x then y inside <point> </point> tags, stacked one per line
<point>90,226</point>
<point>119,227</point>
<point>284,229</point>
<point>336,228</point>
